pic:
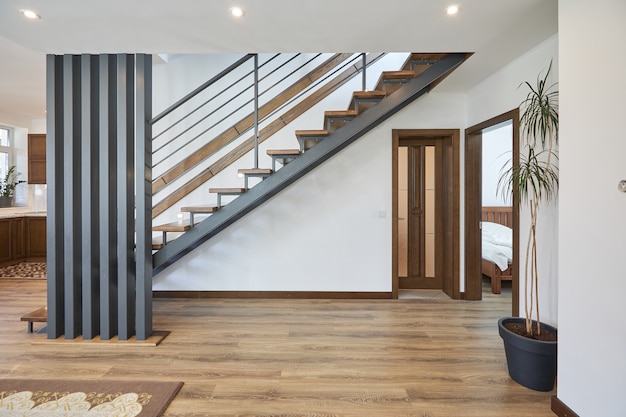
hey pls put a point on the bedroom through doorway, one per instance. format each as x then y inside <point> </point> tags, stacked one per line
<point>491,219</point>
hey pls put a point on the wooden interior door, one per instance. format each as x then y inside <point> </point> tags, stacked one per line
<point>419,203</point>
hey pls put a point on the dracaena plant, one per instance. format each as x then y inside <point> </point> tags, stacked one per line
<point>536,178</point>
<point>9,182</point>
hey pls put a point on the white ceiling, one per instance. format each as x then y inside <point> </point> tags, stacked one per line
<point>495,30</point>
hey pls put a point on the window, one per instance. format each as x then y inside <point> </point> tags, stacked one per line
<point>6,151</point>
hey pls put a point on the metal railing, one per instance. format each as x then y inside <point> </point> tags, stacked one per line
<point>224,104</point>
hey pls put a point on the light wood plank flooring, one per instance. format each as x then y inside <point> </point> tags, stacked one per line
<point>414,357</point>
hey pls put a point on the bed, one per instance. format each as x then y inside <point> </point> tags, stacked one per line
<point>497,245</point>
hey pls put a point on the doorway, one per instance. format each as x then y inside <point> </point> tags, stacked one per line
<point>473,207</point>
<point>419,205</point>
<point>426,195</point>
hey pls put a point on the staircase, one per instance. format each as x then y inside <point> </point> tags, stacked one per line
<point>367,109</point>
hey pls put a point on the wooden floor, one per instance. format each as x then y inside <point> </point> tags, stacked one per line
<point>413,357</point>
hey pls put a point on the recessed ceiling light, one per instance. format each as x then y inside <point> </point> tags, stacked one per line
<point>236,11</point>
<point>30,14</point>
<point>452,10</point>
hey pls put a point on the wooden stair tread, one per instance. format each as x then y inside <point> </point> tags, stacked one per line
<point>366,99</point>
<point>402,75</point>
<point>394,75</point>
<point>340,113</point>
<point>370,94</point>
<point>227,190</point>
<point>283,152</point>
<point>199,209</point>
<point>314,133</point>
<point>255,171</point>
<point>177,226</point>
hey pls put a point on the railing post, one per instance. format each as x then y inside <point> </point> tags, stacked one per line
<point>256,110</point>
<point>364,74</point>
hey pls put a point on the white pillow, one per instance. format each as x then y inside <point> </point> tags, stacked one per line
<point>497,234</point>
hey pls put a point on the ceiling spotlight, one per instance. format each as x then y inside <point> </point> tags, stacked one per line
<point>236,11</point>
<point>452,10</point>
<point>30,14</point>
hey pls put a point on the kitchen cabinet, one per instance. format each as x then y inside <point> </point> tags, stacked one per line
<point>11,240</point>
<point>22,239</point>
<point>35,238</point>
<point>36,158</point>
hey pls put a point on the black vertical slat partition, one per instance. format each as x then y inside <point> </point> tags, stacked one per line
<point>143,190</point>
<point>108,181</point>
<point>54,178</point>
<point>89,190</point>
<point>71,197</point>
<point>125,196</point>
<point>99,147</point>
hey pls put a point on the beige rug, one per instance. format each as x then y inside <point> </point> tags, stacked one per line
<point>89,398</point>
<point>25,270</point>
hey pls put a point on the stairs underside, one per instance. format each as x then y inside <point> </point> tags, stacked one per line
<point>410,90</point>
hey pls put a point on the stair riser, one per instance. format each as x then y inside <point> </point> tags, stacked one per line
<point>364,104</point>
<point>391,86</point>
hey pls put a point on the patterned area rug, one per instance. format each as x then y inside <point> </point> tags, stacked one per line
<point>101,398</point>
<point>25,270</point>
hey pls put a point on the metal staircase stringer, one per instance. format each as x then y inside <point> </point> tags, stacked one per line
<point>311,159</point>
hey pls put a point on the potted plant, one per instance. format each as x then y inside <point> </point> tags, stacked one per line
<point>7,186</point>
<point>531,346</point>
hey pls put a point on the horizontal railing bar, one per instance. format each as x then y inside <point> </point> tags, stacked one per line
<point>180,148</point>
<point>200,88</point>
<point>288,75</point>
<point>233,135</point>
<point>204,131</point>
<point>228,115</point>
<point>330,74</point>
<point>277,124</point>
<point>167,129</point>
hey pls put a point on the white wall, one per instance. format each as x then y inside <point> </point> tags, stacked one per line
<point>497,148</point>
<point>499,94</point>
<point>592,230</point>
<point>325,232</point>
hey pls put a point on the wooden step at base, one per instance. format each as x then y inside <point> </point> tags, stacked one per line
<point>226,191</point>
<point>179,226</point>
<point>193,210</point>
<point>248,173</point>
<point>335,119</point>
<point>310,138</point>
<point>284,156</point>
<point>363,100</point>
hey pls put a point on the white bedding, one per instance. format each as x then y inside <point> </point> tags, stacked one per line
<point>497,243</point>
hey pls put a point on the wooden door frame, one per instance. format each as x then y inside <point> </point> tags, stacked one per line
<point>451,205</point>
<point>473,207</point>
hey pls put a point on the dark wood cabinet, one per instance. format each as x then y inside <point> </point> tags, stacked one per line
<point>35,238</point>
<point>22,239</point>
<point>5,240</point>
<point>11,240</point>
<point>17,238</point>
<point>36,158</point>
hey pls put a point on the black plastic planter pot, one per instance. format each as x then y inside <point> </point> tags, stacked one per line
<point>532,363</point>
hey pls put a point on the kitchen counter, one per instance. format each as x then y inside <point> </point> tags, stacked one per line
<point>15,212</point>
